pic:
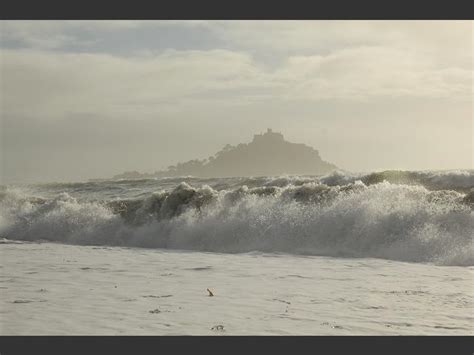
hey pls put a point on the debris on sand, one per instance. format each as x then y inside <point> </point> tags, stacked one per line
<point>333,326</point>
<point>210,293</point>
<point>282,301</point>
<point>218,327</point>
<point>157,310</point>
<point>28,301</point>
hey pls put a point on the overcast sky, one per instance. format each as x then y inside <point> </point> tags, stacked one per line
<point>89,99</point>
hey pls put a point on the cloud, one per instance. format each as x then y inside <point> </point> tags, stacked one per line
<point>57,84</point>
<point>445,41</point>
<point>367,73</point>
<point>389,81</point>
<point>89,35</point>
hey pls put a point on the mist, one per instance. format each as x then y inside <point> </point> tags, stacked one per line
<point>91,99</point>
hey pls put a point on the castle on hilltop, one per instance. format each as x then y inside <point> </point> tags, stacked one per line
<point>268,154</point>
<point>269,135</point>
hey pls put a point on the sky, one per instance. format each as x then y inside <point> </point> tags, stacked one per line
<point>91,99</point>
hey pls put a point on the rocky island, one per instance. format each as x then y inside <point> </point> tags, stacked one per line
<point>266,155</point>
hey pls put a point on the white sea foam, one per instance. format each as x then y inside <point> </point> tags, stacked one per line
<point>60,289</point>
<point>298,215</point>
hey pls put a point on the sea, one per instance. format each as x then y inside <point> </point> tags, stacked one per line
<point>381,253</point>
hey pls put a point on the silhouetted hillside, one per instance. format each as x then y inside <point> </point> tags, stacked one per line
<point>267,154</point>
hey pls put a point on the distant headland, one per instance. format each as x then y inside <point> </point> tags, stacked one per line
<point>266,155</point>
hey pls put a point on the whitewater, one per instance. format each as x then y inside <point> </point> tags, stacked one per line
<point>374,253</point>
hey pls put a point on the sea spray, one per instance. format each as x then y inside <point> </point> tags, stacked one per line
<point>301,215</point>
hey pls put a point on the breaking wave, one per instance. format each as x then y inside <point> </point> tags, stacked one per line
<point>336,215</point>
<point>458,180</point>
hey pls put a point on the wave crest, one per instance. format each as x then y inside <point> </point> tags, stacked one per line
<point>383,220</point>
